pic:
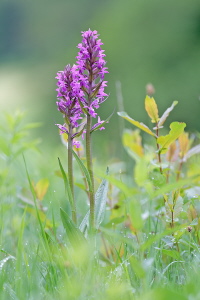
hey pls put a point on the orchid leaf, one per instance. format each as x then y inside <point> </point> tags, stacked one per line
<point>152,109</point>
<point>100,207</point>
<point>136,123</point>
<point>100,202</point>
<point>164,141</point>
<point>84,169</point>
<point>74,235</point>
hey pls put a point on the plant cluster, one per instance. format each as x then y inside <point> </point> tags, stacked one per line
<point>124,237</point>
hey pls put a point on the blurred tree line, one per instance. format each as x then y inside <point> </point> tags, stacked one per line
<point>145,41</point>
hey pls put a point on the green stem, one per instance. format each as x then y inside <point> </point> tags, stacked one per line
<point>90,169</point>
<point>70,173</point>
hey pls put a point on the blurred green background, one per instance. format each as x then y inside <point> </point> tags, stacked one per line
<point>145,41</point>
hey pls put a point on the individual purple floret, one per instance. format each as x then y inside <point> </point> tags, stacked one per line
<point>91,66</point>
<point>69,92</point>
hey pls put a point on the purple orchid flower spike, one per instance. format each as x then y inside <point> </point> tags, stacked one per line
<point>91,66</point>
<point>68,94</point>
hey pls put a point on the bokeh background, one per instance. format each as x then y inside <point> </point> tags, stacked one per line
<point>145,41</point>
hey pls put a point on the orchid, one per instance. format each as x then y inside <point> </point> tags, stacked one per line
<point>68,93</point>
<point>91,67</point>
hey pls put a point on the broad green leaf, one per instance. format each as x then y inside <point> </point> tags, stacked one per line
<point>74,235</point>
<point>41,188</point>
<point>176,129</point>
<point>100,202</point>
<point>166,114</point>
<point>152,109</point>
<point>84,169</point>
<point>67,186</point>
<point>136,123</point>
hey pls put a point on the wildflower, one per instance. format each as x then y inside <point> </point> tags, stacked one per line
<point>91,66</point>
<point>68,94</point>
